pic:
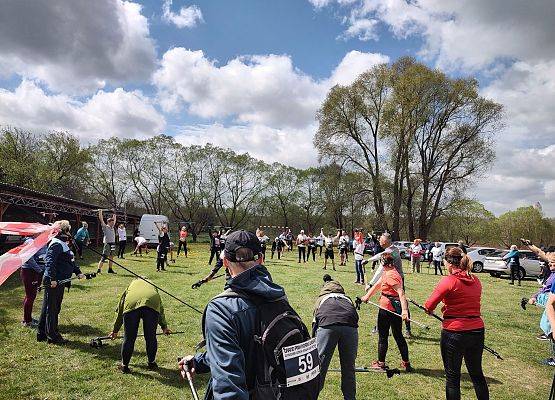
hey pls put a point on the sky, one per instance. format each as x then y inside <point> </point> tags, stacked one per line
<point>251,74</point>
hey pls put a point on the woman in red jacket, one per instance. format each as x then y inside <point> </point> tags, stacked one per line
<point>463,328</point>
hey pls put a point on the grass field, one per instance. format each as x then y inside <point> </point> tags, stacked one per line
<point>31,370</point>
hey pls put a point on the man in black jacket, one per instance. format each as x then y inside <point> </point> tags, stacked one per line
<point>336,325</point>
<point>60,265</point>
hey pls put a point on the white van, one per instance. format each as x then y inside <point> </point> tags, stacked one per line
<point>148,229</point>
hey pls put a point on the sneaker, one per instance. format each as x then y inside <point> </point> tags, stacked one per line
<point>152,366</point>
<point>98,271</point>
<point>27,324</point>
<point>58,341</point>
<point>124,369</point>
<point>523,303</point>
<point>406,366</point>
<point>374,330</point>
<point>543,336</point>
<point>378,366</point>
<point>41,337</point>
<point>111,271</point>
<point>549,361</point>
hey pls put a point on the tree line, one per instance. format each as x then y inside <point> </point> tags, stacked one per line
<point>398,149</point>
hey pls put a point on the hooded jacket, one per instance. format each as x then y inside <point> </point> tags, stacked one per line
<point>461,295</point>
<point>229,327</point>
<point>60,262</point>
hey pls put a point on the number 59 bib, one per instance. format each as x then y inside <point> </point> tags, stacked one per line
<point>302,363</point>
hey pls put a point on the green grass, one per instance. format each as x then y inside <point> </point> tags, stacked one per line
<point>31,370</point>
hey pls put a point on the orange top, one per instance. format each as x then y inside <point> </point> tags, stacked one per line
<point>390,278</point>
<point>183,234</point>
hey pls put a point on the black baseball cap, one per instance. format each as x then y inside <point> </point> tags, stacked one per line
<point>242,240</point>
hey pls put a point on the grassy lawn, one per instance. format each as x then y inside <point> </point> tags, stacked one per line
<point>31,370</point>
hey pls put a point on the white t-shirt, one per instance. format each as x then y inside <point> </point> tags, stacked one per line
<point>140,240</point>
<point>344,241</point>
<point>437,253</point>
<point>301,238</point>
<point>359,251</point>
<point>415,250</point>
<point>122,235</point>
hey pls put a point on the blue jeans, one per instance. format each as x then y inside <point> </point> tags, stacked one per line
<point>359,270</point>
<point>346,338</point>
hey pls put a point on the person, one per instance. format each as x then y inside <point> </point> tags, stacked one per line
<point>437,258</point>
<point>163,246</point>
<point>550,310</point>
<point>122,240</point>
<point>223,236</point>
<point>109,241</point>
<point>289,239</point>
<point>329,254</point>
<point>463,247</point>
<point>183,234</point>
<point>512,258</point>
<point>219,264</point>
<point>462,336</point>
<point>31,276</point>
<point>214,246</point>
<point>359,258</point>
<point>140,301</point>
<point>415,251</point>
<point>541,296</point>
<point>320,239</point>
<point>343,248</point>
<point>60,265</point>
<point>393,299</point>
<point>335,324</point>
<point>263,241</point>
<point>385,242</point>
<point>230,322</point>
<point>277,246</point>
<point>301,245</point>
<point>82,239</point>
<point>311,247</point>
<point>141,244</point>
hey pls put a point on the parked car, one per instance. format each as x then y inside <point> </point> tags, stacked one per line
<point>403,247</point>
<point>529,264</point>
<point>478,255</point>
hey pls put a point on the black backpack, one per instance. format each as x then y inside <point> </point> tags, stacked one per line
<point>279,327</point>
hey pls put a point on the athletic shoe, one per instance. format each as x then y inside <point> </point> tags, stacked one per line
<point>374,330</point>
<point>124,369</point>
<point>59,341</point>
<point>163,269</point>
<point>543,336</point>
<point>27,324</point>
<point>549,361</point>
<point>98,271</point>
<point>41,338</point>
<point>523,303</point>
<point>111,271</point>
<point>378,366</point>
<point>152,366</point>
<point>406,366</point>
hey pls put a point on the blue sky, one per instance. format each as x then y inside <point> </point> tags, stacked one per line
<point>251,74</point>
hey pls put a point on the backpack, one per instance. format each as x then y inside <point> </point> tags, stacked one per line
<point>284,352</point>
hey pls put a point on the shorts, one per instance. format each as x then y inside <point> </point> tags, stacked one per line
<point>108,250</point>
<point>329,254</point>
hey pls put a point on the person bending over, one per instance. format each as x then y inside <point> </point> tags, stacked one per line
<point>60,265</point>
<point>462,336</point>
<point>140,301</point>
<point>392,298</point>
<point>335,324</point>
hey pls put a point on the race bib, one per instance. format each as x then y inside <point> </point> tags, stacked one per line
<point>302,363</point>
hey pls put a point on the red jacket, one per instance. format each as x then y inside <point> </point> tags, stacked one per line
<point>461,294</point>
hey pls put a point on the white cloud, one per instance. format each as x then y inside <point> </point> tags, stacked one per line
<point>363,29</point>
<point>188,17</point>
<point>262,142</point>
<point>75,46</point>
<point>261,90</point>
<point>106,114</point>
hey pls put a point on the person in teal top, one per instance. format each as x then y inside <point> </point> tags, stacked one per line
<point>82,238</point>
<point>513,259</point>
<point>140,301</point>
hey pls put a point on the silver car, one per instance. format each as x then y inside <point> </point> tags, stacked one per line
<point>478,256</point>
<point>529,264</point>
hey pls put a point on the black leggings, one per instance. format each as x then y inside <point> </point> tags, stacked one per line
<point>437,267</point>
<point>454,347</point>
<point>313,251</point>
<point>161,259</point>
<point>121,248</point>
<point>131,325</point>
<point>214,252</point>
<point>182,245</point>
<point>515,274</point>
<point>302,251</point>
<point>385,321</point>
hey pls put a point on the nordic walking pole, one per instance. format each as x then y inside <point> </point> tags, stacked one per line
<point>147,281</point>
<point>358,301</point>
<point>64,281</point>
<point>99,341</point>
<point>186,373</point>
<point>486,348</point>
